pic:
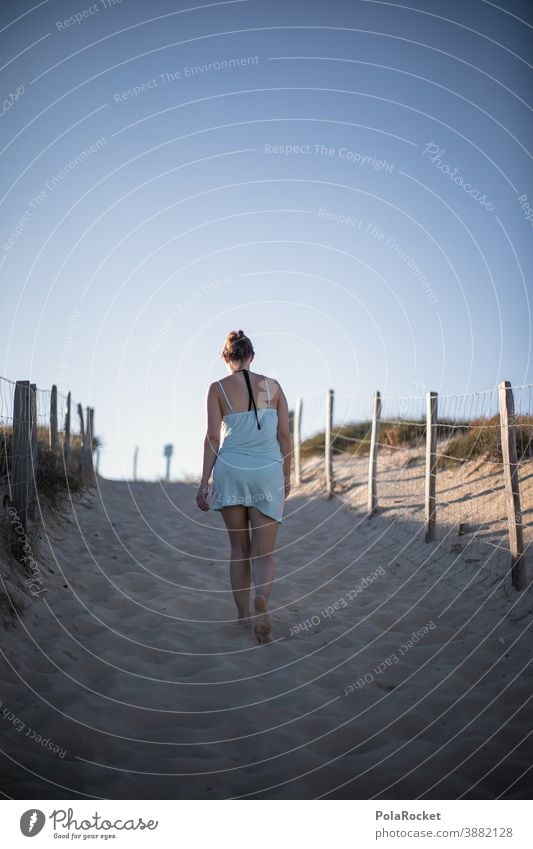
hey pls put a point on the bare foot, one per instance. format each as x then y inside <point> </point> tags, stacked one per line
<point>244,620</point>
<point>263,626</point>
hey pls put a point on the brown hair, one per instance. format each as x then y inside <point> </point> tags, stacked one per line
<point>237,347</point>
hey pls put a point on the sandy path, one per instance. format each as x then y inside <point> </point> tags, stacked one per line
<point>132,665</point>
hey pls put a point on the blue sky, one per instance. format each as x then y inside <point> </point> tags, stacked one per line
<point>346,181</point>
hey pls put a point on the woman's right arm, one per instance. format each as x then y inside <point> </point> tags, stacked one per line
<point>284,438</point>
<point>211,445</point>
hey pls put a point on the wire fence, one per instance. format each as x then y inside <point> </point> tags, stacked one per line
<point>460,466</point>
<point>40,444</point>
<point>469,485</point>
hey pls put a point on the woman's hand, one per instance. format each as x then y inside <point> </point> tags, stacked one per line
<point>287,487</point>
<point>201,497</point>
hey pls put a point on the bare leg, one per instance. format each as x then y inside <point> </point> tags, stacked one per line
<point>236,521</point>
<point>264,533</point>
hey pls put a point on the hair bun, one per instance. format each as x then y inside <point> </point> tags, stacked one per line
<point>238,346</point>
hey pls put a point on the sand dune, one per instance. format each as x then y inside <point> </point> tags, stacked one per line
<point>132,667</point>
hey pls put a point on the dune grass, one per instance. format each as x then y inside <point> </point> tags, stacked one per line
<point>483,439</point>
<point>55,476</point>
<point>355,438</point>
<point>458,441</point>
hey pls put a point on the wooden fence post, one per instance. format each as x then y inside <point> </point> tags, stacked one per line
<point>92,443</point>
<point>89,442</point>
<point>431,465</point>
<point>83,449</point>
<point>372,462</point>
<point>512,485</point>
<point>66,440</point>
<point>297,436</point>
<point>86,464</point>
<point>21,452</point>
<point>89,426</point>
<point>54,442</point>
<point>82,424</point>
<point>328,446</point>
<point>34,450</point>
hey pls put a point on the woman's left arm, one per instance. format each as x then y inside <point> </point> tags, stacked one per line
<point>211,445</point>
<point>284,438</point>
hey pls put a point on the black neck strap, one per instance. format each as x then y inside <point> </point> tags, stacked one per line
<point>251,396</point>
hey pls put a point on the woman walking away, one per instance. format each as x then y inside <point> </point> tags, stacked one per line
<point>251,474</point>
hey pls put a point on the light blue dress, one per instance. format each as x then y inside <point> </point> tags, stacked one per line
<point>248,469</point>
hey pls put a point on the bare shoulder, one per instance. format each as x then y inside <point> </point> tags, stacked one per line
<point>275,388</point>
<point>213,391</point>
<point>273,384</point>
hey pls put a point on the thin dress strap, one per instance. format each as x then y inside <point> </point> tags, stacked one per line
<point>228,402</point>
<point>268,391</point>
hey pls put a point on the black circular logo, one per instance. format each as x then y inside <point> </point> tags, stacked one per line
<point>31,822</point>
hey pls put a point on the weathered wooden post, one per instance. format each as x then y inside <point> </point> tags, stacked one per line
<point>135,461</point>
<point>328,446</point>
<point>512,485</point>
<point>66,440</point>
<point>297,439</point>
<point>83,448</point>
<point>54,440</point>
<point>89,443</point>
<point>21,452</point>
<point>34,451</point>
<point>430,510</point>
<point>82,424</point>
<point>372,503</point>
<point>89,429</point>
